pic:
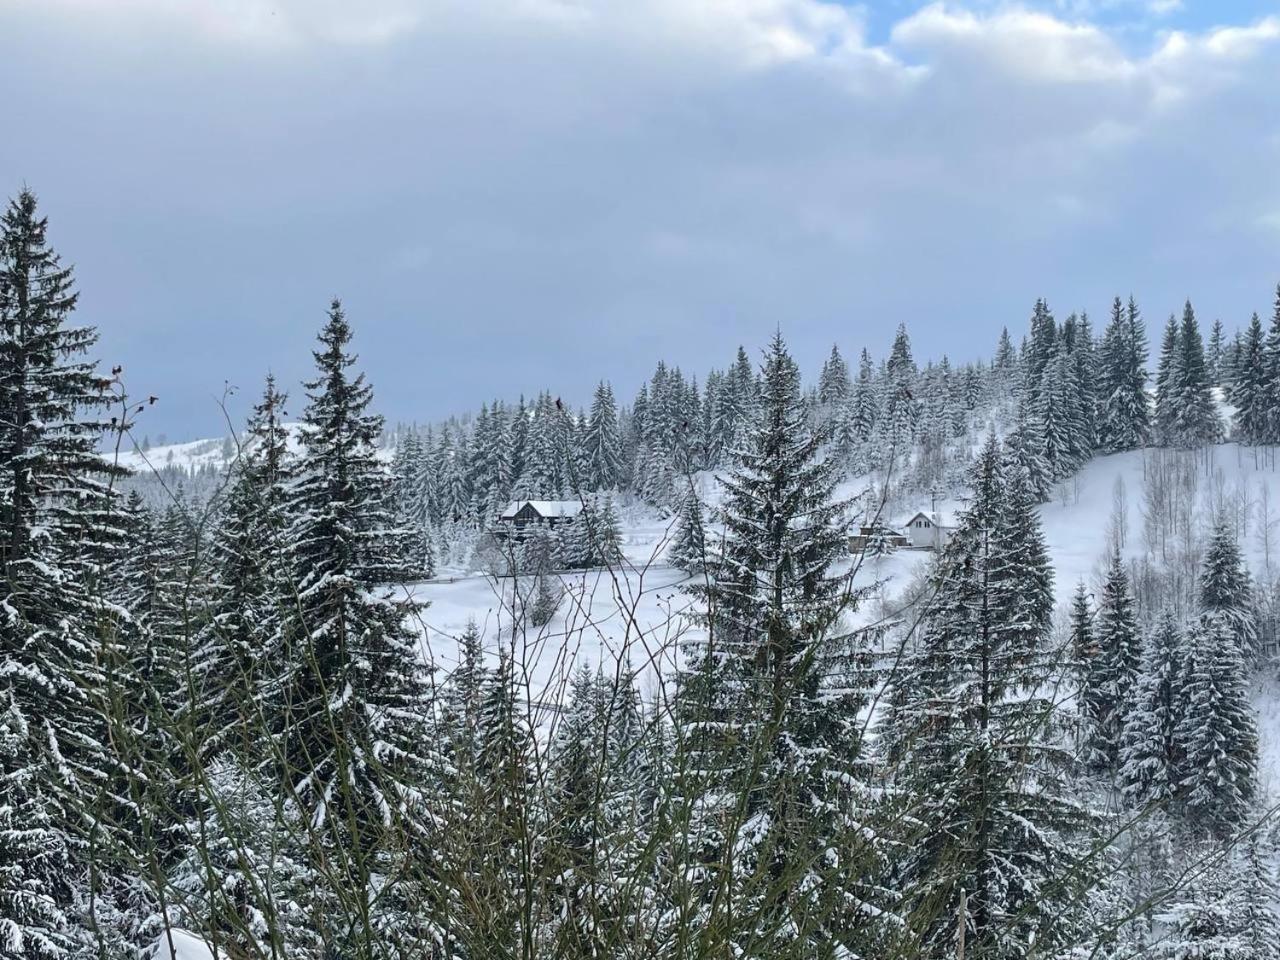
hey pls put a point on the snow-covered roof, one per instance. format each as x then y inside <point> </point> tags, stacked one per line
<point>545,508</point>
<point>940,518</point>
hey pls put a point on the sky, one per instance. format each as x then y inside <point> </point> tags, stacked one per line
<point>512,195</point>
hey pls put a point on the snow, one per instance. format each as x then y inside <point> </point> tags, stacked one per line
<point>639,612</point>
<point>1075,522</point>
<point>176,944</point>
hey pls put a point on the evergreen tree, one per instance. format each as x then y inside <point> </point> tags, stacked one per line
<point>1123,407</point>
<point>1216,733</point>
<point>865,410</point>
<point>1148,747</point>
<point>594,538</point>
<point>1084,645</point>
<point>901,408</point>
<point>243,883</point>
<point>352,720</point>
<point>1114,670</point>
<point>971,716</point>
<point>603,442</point>
<point>772,696</point>
<point>1196,419</point>
<point>36,878</point>
<point>452,500</point>
<point>1025,447</point>
<point>1249,389</point>
<point>240,659</point>
<point>1213,359</point>
<point>1061,418</point>
<point>1226,589</point>
<point>1039,349</point>
<point>489,480</point>
<point>1006,359</point>
<point>1271,372</point>
<point>500,825</point>
<point>834,386</point>
<point>460,699</point>
<point>548,594</point>
<point>688,550</point>
<point>56,512</point>
<point>1168,382</point>
<point>1257,894</point>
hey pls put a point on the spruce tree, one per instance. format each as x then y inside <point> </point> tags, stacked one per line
<point>972,712</point>
<point>771,699</point>
<point>1006,358</point>
<point>1249,390</point>
<point>460,699</point>
<point>1258,893</point>
<point>1216,734</point>
<point>1213,358</point>
<point>1123,407</point>
<point>1148,747</point>
<point>1226,589</point>
<point>243,882</point>
<point>1271,372</point>
<point>55,506</point>
<point>495,870</point>
<point>834,386</point>
<point>901,413</point>
<point>1168,382</point>
<point>594,539</point>
<point>688,550</point>
<point>1196,418</point>
<point>36,876</point>
<point>865,410</point>
<point>1064,444</point>
<point>1084,648</point>
<point>603,442</point>
<point>352,720</point>
<point>239,657</point>
<point>1114,670</point>
<point>1025,447</point>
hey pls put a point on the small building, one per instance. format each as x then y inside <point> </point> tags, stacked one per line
<point>876,538</point>
<point>520,515</point>
<point>928,531</point>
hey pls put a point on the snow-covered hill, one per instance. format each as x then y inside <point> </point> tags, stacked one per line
<point>637,613</point>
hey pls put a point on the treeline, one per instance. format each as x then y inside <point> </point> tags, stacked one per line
<point>1062,396</point>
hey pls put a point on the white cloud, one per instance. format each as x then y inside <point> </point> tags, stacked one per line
<point>614,165</point>
<point>1025,44</point>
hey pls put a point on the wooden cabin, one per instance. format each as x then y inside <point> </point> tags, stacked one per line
<point>521,515</point>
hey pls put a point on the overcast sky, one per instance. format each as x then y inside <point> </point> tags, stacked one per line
<point>517,194</point>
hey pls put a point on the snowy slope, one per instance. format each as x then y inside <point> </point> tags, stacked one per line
<point>1075,528</point>
<point>190,455</point>
<point>1235,478</point>
<point>637,614</point>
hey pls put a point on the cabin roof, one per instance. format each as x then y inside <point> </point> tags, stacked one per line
<point>544,508</point>
<point>940,519</point>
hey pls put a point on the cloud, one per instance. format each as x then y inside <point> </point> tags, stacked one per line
<point>266,23</point>
<point>547,191</point>
<point>1024,44</point>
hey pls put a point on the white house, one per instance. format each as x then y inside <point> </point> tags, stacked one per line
<point>928,531</point>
